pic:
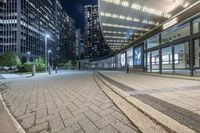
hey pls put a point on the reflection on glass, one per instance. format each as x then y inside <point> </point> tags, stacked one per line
<point>167,60</point>
<point>181,58</point>
<point>197,56</point>
<point>148,62</point>
<point>123,62</point>
<point>152,42</point>
<point>175,33</point>
<point>153,61</point>
<point>138,56</point>
<point>130,56</point>
<point>196,26</point>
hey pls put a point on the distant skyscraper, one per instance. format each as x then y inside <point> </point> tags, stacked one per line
<point>24,25</point>
<point>80,45</point>
<point>94,41</point>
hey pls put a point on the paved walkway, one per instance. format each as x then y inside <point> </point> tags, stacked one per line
<point>64,103</point>
<point>6,125</point>
<point>177,98</point>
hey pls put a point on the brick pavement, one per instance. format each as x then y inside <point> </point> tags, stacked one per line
<point>177,98</point>
<point>66,103</point>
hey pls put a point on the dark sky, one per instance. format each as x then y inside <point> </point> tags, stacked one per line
<point>75,10</point>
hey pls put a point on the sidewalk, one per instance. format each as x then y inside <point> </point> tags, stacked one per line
<point>68,102</point>
<point>176,98</point>
<point>6,125</point>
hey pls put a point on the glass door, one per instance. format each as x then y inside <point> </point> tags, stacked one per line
<point>197,57</point>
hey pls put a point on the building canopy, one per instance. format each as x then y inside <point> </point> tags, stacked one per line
<point>123,21</point>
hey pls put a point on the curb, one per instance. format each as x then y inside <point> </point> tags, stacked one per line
<point>184,77</point>
<point>18,127</point>
<point>165,121</point>
<point>143,123</point>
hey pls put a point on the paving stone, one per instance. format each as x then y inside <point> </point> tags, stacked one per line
<point>61,103</point>
<point>56,124</point>
<point>92,115</point>
<point>105,121</point>
<point>122,128</point>
<point>108,129</point>
<point>71,129</point>
<point>41,113</point>
<point>88,126</point>
<point>39,127</point>
<point>106,112</point>
<point>28,122</point>
<point>74,119</point>
<point>120,117</point>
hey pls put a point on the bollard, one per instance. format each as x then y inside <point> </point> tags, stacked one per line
<point>50,72</point>
<point>56,69</point>
<point>33,70</point>
<point>127,69</point>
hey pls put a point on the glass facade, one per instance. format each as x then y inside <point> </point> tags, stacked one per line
<point>138,56</point>
<point>175,33</point>
<point>130,56</point>
<point>196,26</point>
<point>181,58</point>
<point>153,61</point>
<point>179,52</point>
<point>24,25</point>
<point>153,42</point>
<point>167,60</point>
<point>197,56</point>
<point>123,59</point>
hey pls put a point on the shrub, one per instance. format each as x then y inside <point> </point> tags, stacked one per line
<point>10,59</point>
<point>28,66</point>
<point>21,68</point>
<point>40,67</point>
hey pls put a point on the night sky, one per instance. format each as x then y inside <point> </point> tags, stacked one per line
<point>75,9</point>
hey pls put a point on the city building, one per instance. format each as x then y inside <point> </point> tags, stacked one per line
<point>67,38</point>
<point>94,41</point>
<point>25,25</point>
<point>80,45</point>
<point>172,46</point>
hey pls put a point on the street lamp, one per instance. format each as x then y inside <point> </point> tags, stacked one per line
<point>49,66</point>
<point>49,51</point>
<point>46,52</point>
<point>29,53</point>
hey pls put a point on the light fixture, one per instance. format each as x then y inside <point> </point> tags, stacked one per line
<point>143,8</point>
<point>170,23</point>
<point>125,27</point>
<point>128,18</point>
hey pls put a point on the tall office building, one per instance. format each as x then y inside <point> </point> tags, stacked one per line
<point>66,48</point>
<point>24,25</point>
<point>94,41</point>
<point>80,45</point>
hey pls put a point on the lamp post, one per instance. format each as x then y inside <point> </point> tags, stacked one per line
<point>49,66</point>
<point>29,53</point>
<point>46,52</point>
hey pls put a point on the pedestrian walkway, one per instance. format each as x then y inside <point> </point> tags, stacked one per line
<point>64,103</point>
<point>177,98</point>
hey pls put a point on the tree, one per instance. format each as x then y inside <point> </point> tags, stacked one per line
<point>9,59</point>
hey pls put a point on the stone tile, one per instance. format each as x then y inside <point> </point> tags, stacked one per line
<point>105,121</point>
<point>56,124</point>
<point>108,129</point>
<point>41,113</point>
<point>88,126</point>
<point>122,128</point>
<point>40,127</point>
<point>71,129</point>
<point>74,119</point>
<point>106,112</point>
<point>28,122</point>
<point>120,117</point>
<point>92,115</point>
